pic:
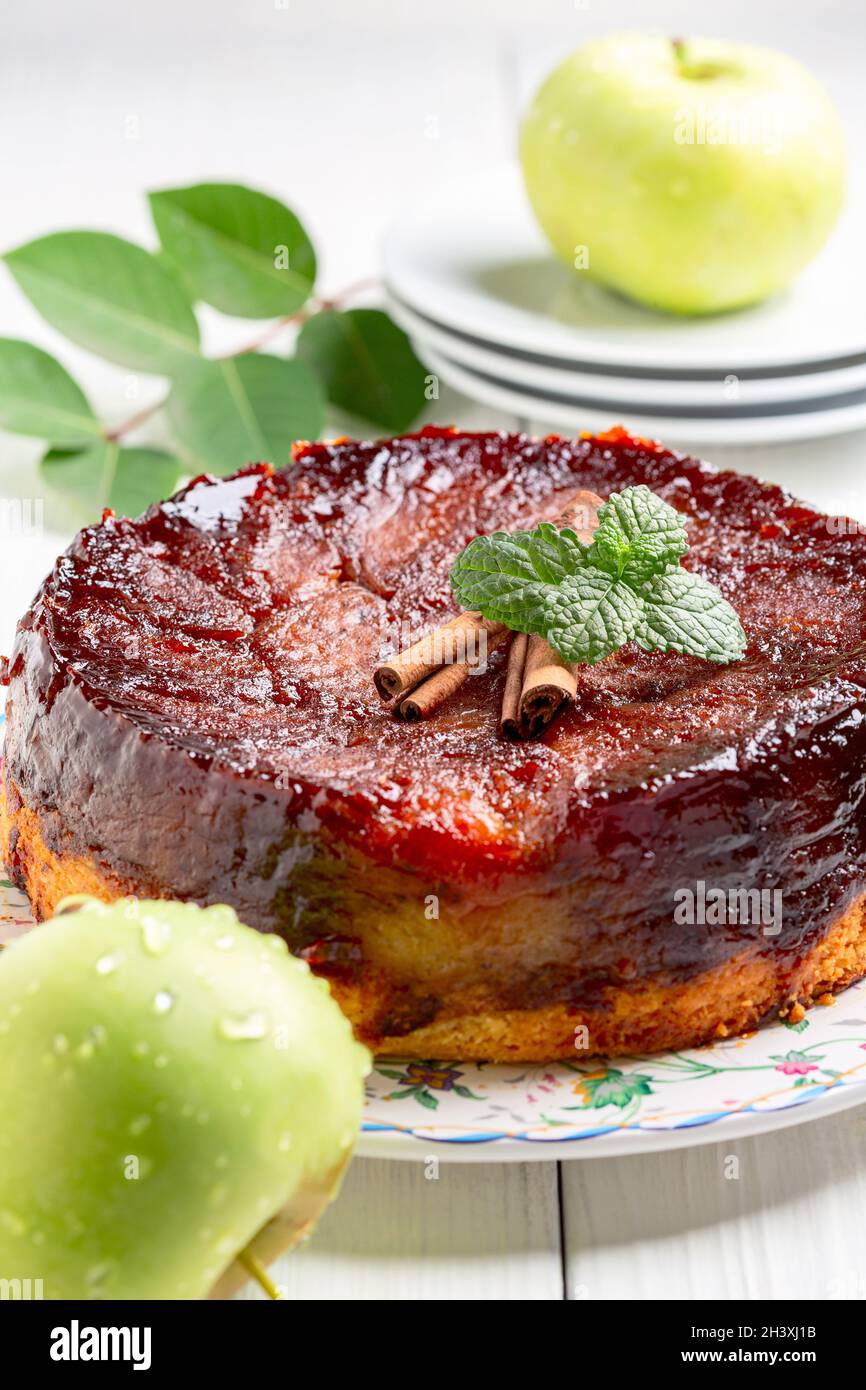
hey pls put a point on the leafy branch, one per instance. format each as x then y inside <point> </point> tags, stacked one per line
<point>241,252</point>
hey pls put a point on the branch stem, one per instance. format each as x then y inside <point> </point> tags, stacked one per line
<point>315,306</point>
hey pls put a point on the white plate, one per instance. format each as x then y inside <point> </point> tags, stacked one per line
<point>477,263</point>
<point>623,391</point>
<point>570,414</point>
<point>778,1076</point>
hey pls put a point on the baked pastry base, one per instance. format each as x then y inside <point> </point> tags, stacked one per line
<point>649,1016</point>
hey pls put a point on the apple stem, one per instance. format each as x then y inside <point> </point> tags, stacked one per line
<point>258,1272</point>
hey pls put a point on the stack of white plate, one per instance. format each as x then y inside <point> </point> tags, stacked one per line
<point>495,315</point>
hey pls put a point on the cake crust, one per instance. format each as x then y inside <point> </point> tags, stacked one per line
<point>191,715</point>
<point>650,1017</point>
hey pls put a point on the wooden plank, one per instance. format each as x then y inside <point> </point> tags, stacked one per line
<point>778,1216</point>
<point>475,1232</point>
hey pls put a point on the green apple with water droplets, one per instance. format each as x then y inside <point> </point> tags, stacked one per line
<point>693,175</point>
<point>175,1089</point>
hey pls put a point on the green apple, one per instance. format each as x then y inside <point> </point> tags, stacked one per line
<point>175,1090</point>
<point>692,175</point>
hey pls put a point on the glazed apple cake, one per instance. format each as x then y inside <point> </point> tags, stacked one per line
<point>191,715</point>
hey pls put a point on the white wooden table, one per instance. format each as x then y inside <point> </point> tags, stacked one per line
<point>343,110</point>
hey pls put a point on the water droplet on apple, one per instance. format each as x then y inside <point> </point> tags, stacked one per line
<point>284,1143</point>
<point>12,1222</point>
<point>155,936</point>
<point>248,1027</point>
<point>141,1049</point>
<point>60,1044</point>
<point>160,1060</point>
<point>97,1276</point>
<point>225,943</point>
<point>163,1001</point>
<point>139,1124</point>
<point>106,965</point>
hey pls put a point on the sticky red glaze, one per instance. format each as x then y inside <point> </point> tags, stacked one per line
<point>209,666</point>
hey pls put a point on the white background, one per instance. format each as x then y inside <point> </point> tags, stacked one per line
<point>347,110</point>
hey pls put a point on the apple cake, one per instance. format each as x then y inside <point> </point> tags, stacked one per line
<point>191,715</point>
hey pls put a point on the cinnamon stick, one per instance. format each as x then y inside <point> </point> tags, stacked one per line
<point>549,686</point>
<point>426,698</point>
<point>538,682</point>
<point>549,683</point>
<point>508,718</point>
<point>446,646</point>
<point>581,514</point>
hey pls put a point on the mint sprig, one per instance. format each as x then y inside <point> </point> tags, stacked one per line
<point>589,600</point>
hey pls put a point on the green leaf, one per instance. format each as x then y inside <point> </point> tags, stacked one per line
<point>239,250</point>
<point>684,612</point>
<point>507,576</point>
<point>105,475</point>
<point>237,410</point>
<point>496,575</point>
<point>110,296</point>
<point>39,397</point>
<point>590,600</point>
<point>427,1100</point>
<point>555,553</point>
<point>366,364</point>
<point>590,614</point>
<point>638,535</point>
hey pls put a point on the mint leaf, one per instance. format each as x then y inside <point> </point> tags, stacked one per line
<point>684,612</point>
<point>508,576</point>
<point>638,535</point>
<point>105,475</point>
<point>590,614</point>
<point>590,600</point>
<point>238,410</point>
<point>38,397</point>
<point>556,553</point>
<point>366,364</point>
<point>235,248</point>
<point>110,296</point>
<point>498,575</point>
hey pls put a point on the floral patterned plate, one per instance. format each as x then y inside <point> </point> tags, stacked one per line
<point>780,1075</point>
<point>777,1076</point>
